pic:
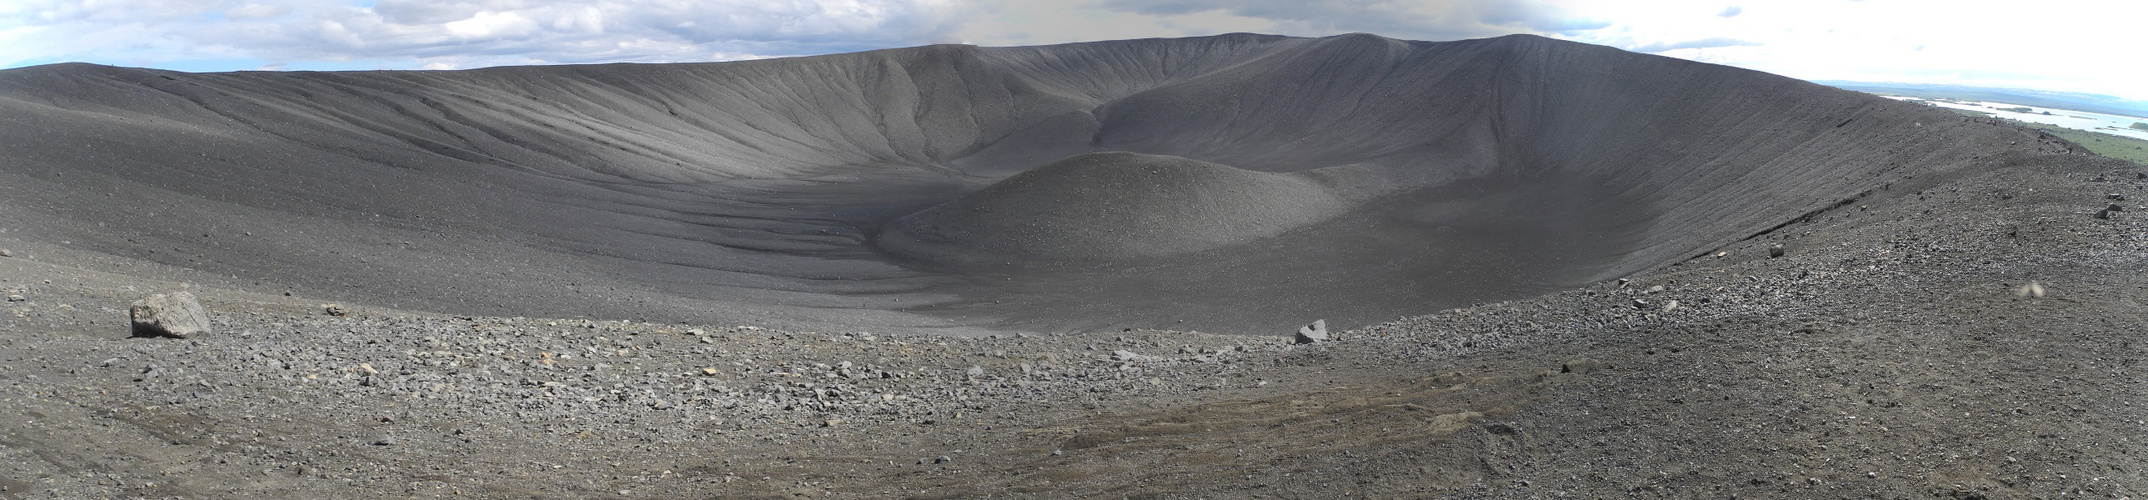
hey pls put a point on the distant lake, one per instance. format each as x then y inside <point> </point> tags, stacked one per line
<point>2082,120</point>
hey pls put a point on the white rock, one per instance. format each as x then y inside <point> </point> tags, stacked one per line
<point>1313,333</point>
<point>176,315</point>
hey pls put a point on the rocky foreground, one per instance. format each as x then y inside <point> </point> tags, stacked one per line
<point>1892,351</point>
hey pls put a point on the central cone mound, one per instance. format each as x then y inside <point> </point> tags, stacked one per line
<point>1107,206</point>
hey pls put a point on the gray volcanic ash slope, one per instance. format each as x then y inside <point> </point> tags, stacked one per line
<point>816,226</point>
<point>1250,181</point>
<point>1113,206</point>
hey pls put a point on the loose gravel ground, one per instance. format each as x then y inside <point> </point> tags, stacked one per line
<point>1884,355</point>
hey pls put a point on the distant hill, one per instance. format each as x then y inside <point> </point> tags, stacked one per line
<point>2094,103</point>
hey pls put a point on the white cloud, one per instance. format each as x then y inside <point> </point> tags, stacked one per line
<point>2059,44</point>
<point>420,12</point>
<point>492,25</point>
<point>255,11</point>
<point>1057,21</point>
<point>466,33</point>
<point>1704,43</point>
<point>2063,45</point>
<point>106,11</point>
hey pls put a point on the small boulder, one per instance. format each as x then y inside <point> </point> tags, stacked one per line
<point>176,315</point>
<point>2115,208</point>
<point>1313,333</point>
<point>1775,250</point>
<point>1583,366</point>
<point>2032,290</point>
<point>5,253</point>
<point>2104,214</point>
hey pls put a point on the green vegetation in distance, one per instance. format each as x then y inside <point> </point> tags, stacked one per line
<point>2115,146</point>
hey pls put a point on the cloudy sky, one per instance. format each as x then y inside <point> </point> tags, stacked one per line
<point>2066,45</point>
